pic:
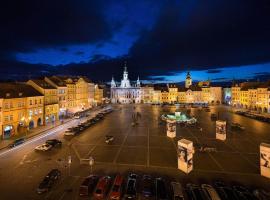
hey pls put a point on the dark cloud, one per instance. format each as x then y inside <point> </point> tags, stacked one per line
<point>214,71</point>
<point>201,35</point>
<point>262,76</point>
<point>79,53</point>
<point>28,24</point>
<point>187,35</point>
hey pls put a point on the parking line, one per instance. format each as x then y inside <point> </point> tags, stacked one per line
<point>121,146</point>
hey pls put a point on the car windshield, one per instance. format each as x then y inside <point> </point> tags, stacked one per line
<point>115,188</point>
<point>98,191</point>
<point>130,187</point>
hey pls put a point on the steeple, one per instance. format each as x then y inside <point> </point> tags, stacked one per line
<point>138,84</point>
<point>188,82</point>
<point>113,84</point>
<point>125,81</point>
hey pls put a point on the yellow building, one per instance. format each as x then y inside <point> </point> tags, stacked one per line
<point>51,103</point>
<point>98,97</point>
<point>82,92</point>
<point>147,94</point>
<point>62,93</point>
<point>173,93</point>
<point>165,95</point>
<point>156,95</point>
<point>252,95</point>
<point>22,108</point>
<point>236,95</point>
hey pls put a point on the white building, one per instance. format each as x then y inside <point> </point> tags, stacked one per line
<point>126,93</point>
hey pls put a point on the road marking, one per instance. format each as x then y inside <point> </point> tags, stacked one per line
<point>121,146</point>
<point>65,192</point>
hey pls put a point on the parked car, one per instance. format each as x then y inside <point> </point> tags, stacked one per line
<point>102,188</point>
<point>88,185</point>
<point>43,147</point>
<point>54,142</point>
<point>243,193</point>
<point>48,181</point>
<point>131,190</point>
<point>161,191</point>
<point>210,192</point>
<point>195,192</point>
<point>70,133</point>
<point>17,142</point>
<point>109,139</point>
<point>147,186</point>
<point>116,191</point>
<point>261,194</point>
<point>177,191</point>
<point>236,126</point>
<point>225,192</point>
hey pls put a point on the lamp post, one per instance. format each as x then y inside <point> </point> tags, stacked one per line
<point>91,163</point>
<point>69,164</point>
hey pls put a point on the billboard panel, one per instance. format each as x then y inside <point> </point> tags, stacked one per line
<point>221,130</point>
<point>171,128</point>
<point>185,155</point>
<point>265,159</point>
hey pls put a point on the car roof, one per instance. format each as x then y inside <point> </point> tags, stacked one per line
<point>118,180</point>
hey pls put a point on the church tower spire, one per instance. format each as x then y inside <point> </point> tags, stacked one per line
<point>113,84</point>
<point>138,84</point>
<point>188,82</point>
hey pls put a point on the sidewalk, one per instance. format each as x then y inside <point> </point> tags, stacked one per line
<point>38,130</point>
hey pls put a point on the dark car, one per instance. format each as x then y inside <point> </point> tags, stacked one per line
<point>225,192</point>
<point>195,192</point>
<point>243,193</point>
<point>88,185</point>
<point>131,190</point>
<point>147,186</point>
<point>17,142</point>
<point>54,142</point>
<point>48,181</point>
<point>161,191</point>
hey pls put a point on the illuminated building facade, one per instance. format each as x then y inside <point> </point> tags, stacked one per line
<point>21,108</point>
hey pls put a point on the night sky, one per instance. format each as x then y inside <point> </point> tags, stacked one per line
<point>160,40</point>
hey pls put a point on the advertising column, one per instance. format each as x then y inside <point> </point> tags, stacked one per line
<point>185,155</point>
<point>265,159</point>
<point>221,130</point>
<point>171,128</point>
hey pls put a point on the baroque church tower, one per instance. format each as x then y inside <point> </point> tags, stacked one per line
<point>188,80</point>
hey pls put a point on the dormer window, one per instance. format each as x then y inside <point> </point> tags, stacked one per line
<point>7,94</point>
<point>20,94</point>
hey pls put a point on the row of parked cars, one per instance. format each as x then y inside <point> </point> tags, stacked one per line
<point>147,187</point>
<point>253,116</point>
<point>221,191</point>
<point>75,130</point>
<point>105,187</point>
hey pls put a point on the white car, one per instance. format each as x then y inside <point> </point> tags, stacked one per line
<point>69,133</point>
<point>43,147</point>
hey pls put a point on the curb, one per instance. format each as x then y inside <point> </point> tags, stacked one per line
<point>39,133</point>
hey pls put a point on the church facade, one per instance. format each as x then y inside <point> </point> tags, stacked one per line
<point>126,93</point>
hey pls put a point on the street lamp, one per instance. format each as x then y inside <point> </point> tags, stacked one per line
<point>91,162</point>
<point>69,164</point>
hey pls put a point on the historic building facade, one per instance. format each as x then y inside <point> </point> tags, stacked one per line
<point>126,92</point>
<point>252,96</point>
<point>21,109</point>
<point>169,93</point>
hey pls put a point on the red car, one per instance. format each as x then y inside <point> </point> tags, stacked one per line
<point>88,185</point>
<point>116,191</point>
<point>102,187</point>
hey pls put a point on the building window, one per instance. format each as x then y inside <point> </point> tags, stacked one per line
<point>30,102</point>
<point>35,101</point>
